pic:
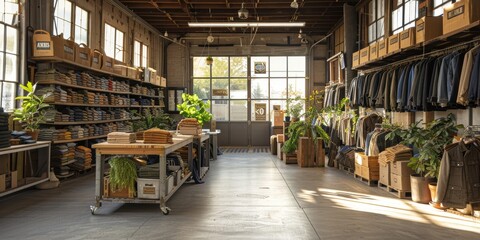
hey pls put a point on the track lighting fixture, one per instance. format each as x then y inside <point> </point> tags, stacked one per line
<point>300,34</point>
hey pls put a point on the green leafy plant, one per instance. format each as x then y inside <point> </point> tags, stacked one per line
<point>429,141</point>
<point>123,173</point>
<point>159,120</point>
<point>307,127</point>
<point>194,107</point>
<point>295,107</point>
<point>31,113</point>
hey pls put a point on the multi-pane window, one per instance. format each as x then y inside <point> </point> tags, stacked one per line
<point>113,43</point>
<point>9,54</point>
<point>376,13</point>
<point>140,54</point>
<point>70,23</point>
<point>438,6</point>
<point>404,14</point>
<point>81,26</point>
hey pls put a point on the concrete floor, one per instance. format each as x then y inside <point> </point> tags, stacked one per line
<point>245,196</point>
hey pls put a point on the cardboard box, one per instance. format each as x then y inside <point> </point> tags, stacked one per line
<point>400,183</point>
<point>133,73</point>
<point>364,55</point>
<point>162,81</point>
<point>364,160</point>
<point>400,168</point>
<point>96,59</point>
<point>382,47</point>
<point>428,28</point>
<point>280,138</point>
<point>407,38</point>
<point>107,63</point>
<point>358,169</point>
<point>148,188</point>
<point>370,173</point>
<point>393,43</point>
<point>384,172</point>
<point>278,116</point>
<point>82,55</point>
<point>356,59</point>
<point>120,68</point>
<point>42,44</point>
<point>373,51</point>
<point>64,49</point>
<point>460,14</point>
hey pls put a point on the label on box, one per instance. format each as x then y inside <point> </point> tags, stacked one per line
<point>364,53</point>
<point>374,49</point>
<point>84,56</point>
<point>148,190</point>
<point>456,12</point>
<point>394,40</point>
<point>43,45</point>
<point>67,49</point>
<point>405,35</point>
<point>355,57</point>
<point>381,45</point>
<point>95,60</point>
<point>420,27</point>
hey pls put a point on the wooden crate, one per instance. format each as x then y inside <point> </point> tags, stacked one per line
<point>370,173</point>
<point>367,161</point>
<point>358,169</point>
<point>384,172</point>
<point>290,158</point>
<point>306,152</point>
<point>108,193</point>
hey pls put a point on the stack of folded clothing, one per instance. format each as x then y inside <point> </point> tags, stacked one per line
<point>395,153</point>
<point>145,102</point>
<point>63,154</point>
<point>70,77</point>
<point>50,114</point>
<point>83,157</point>
<point>151,171</point>
<point>157,136</point>
<point>4,132</point>
<point>121,137</point>
<point>46,134</point>
<point>22,137</point>
<point>46,90</point>
<point>189,126</point>
<point>124,127</point>
<point>60,94</point>
<point>59,134</point>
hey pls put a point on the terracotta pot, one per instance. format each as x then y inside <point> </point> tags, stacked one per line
<point>420,191</point>
<point>33,134</point>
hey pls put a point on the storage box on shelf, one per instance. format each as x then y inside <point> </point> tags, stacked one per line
<point>64,49</point>
<point>384,171</point>
<point>373,51</point>
<point>382,47</point>
<point>364,55</point>
<point>148,188</point>
<point>355,59</point>
<point>82,55</point>
<point>120,68</point>
<point>96,59</point>
<point>42,44</point>
<point>393,43</point>
<point>107,63</point>
<point>428,28</point>
<point>400,176</point>
<point>407,38</point>
<point>120,193</point>
<point>460,14</point>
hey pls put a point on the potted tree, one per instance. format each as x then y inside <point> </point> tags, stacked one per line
<point>31,113</point>
<point>305,135</point>
<point>429,143</point>
<point>194,107</point>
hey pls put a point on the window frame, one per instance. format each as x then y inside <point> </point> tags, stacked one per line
<point>72,22</point>
<point>440,6</point>
<point>140,54</point>
<point>404,25</point>
<point>116,50</point>
<point>376,20</point>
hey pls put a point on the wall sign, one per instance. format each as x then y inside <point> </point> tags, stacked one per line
<point>220,92</point>
<point>260,67</point>
<point>260,111</point>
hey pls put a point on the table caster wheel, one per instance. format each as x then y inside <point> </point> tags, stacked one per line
<point>93,209</point>
<point>165,210</point>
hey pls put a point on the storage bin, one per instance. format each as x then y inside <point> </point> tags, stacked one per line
<point>382,47</point>
<point>148,188</point>
<point>407,38</point>
<point>356,59</point>
<point>428,28</point>
<point>64,49</point>
<point>42,44</point>
<point>393,43</point>
<point>96,59</point>
<point>460,14</point>
<point>82,55</point>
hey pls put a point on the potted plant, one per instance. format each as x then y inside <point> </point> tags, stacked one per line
<point>123,174</point>
<point>294,108</point>
<point>194,107</point>
<point>209,60</point>
<point>159,120</point>
<point>429,143</point>
<point>309,130</point>
<point>31,113</point>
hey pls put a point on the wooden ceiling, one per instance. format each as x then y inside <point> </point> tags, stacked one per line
<point>173,15</point>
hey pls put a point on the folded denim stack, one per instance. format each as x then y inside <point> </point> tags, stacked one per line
<point>101,83</point>
<point>76,131</point>
<point>63,154</point>
<point>89,130</point>
<point>4,132</point>
<point>23,137</point>
<point>70,77</point>
<point>60,94</point>
<point>124,127</point>
<point>395,153</point>
<point>50,90</point>
<point>83,157</point>
<point>59,134</point>
<point>87,80</point>
<point>121,137</point>
<point>50,114</point>
<point>189,126</point>
<point>46,134</point>
<point>146,102</point>
<point>134,102</point>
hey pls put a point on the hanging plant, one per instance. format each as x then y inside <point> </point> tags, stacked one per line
<point>123,174</point>
<point>209,60</point>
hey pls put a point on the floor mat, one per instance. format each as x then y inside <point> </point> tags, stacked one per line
<point>245,149</point>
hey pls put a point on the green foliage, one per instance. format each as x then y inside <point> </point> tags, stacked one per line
<point>160,120</point>
<point>338,110</point>
<point>306,127</point>
<point>430,142</point>
<point>31,114</point>
<point>194,107</point>
<point>295,107</point>
<point>123,173</point>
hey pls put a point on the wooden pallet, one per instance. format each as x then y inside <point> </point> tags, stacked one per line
<point>371,183</point>
<point>346,169</point>
<point>395,192</point>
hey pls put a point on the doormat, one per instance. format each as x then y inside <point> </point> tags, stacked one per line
<point>245,149</point>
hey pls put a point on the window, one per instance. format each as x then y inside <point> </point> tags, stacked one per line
<point>376,13</point>
<point>140,52</point>
<point>113,44</point>
<point>64,21</point>
<point>9,54</point>
<point>404,15</point>
<point>438,6</point>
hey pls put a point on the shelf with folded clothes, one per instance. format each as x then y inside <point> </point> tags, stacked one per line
<point>79,87</point>
<point>79,139</point>
<point>88,122</point>
<point>460,36</point>
<point>144,95</point>
<point>86,105</point>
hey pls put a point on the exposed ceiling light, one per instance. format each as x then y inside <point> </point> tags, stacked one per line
<point>243,12</point>
<point>165,34</point>
<point>294,4</point>
<point>246,24</point>
<point>300,34</point>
